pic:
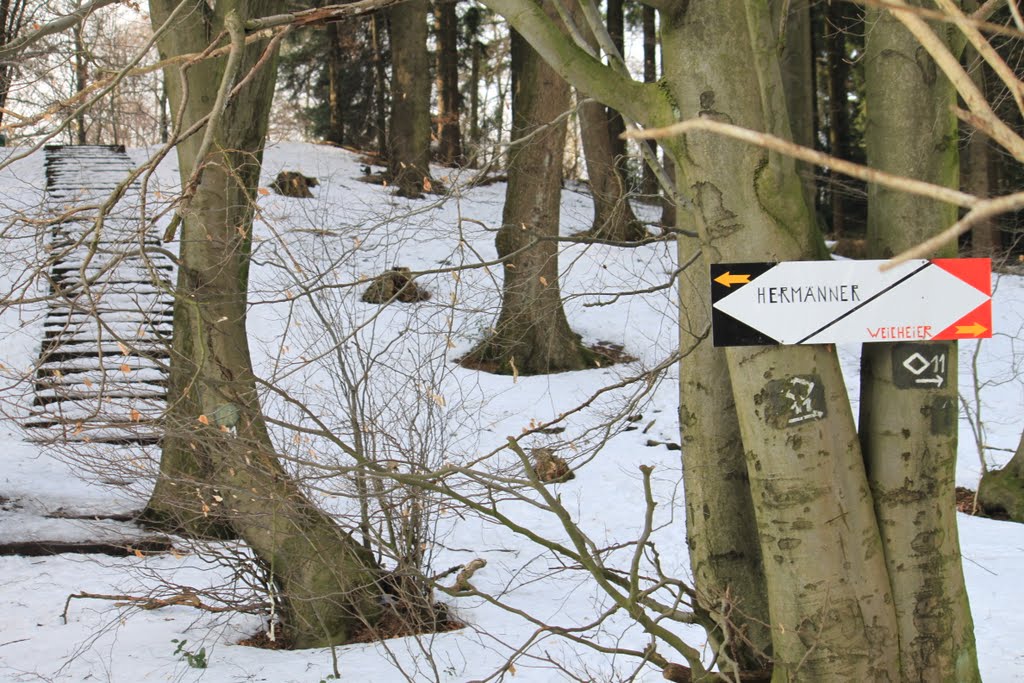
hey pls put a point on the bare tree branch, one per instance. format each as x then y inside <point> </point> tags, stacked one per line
<point>809,155</point>
<point>10,51</point>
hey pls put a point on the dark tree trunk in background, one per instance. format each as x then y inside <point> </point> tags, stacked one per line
<point>836,25</point>
<point>649,183</point>
<point>532,335</point>
<point>409,139</point>
<point>616,126</point>
<point>335,90</point>
<point>380,84</point>
<point>448,100</point>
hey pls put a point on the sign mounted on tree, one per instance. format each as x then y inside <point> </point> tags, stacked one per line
<point>825,302</point>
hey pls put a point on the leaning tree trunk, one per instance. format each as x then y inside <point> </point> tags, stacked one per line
<point>1004,489</point>
<point>909,429</point>
<point>830,610</point>
<point>218,461</point>
<point>409,128</point>
<point>532,335</point>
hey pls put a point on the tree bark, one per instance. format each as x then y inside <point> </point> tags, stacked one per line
<point>796,59</point>
<point>829,609</point>
<point>721,530</point>
<point>218,465</point>
<point>649,182</point>
<point>909,436</point>
<point>613,216</point>
<point>1003,490</point>
<point>838,110</point>
<point>409,129</point>
<point>532,335</point>
<point>335,91</point>
<point>448,100</point>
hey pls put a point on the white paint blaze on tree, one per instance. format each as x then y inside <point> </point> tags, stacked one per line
<point>830,596</point>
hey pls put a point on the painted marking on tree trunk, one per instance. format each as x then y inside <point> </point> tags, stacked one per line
<point>793,401</point>
<point>817,302</point>
<point>919,366</point>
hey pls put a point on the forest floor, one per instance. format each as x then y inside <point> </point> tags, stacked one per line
<point>312,259</point>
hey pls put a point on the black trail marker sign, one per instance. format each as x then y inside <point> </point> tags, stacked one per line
<point>822,302</point>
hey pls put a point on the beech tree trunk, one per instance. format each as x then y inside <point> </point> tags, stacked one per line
<point>909,432</point>
<point>721,530</point>
<point>613,216</point>
<point>409,128</point>
<point>532,335</point>
<point>219,468</point>
<point>1004,489</point>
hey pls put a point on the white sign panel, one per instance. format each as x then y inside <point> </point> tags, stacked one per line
<point>813,302</point>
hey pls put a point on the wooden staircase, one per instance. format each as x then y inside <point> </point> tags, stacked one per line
<point>101,375</point>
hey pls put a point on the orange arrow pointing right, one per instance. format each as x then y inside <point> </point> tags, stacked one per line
<point>728,279</point>
<point>974,330</point>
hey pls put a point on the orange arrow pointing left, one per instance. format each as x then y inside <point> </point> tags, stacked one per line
<point>728,279</point>
<point>973,330</point>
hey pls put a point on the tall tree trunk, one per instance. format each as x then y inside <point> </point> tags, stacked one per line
<point>796,58</point>
<point>409,129</point>
<point>616,126</point>
<point>909,434</point>
<point>81,82</point>
<point>379,85</point>
<point>836,25</point>
<point>218,463</point>
<point>613,216</point>
<point>448,99</point>
<point>830,611</point>
<point>649,182</point>
<point>335,90</point>
<point>978,165</point>
<point>532,335</point>
<point>721,530</point>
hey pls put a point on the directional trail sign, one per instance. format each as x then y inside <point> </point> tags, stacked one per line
<point>817,302</point>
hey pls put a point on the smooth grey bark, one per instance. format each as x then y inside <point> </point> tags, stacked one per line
<point>721,530</point>
<point>909,436</point>
<point>218,468</point>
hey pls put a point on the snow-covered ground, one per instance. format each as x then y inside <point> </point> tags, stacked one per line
<point>310,257</point>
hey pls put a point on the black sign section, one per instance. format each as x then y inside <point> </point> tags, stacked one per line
<point>920,366</point>
<point>792,401</point>
<point>726,330</point>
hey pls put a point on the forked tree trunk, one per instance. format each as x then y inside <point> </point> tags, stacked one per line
<point>909,430</point>
<point>532,335</point>
<point>830,609</point>
<point>409,128</point>
<point>218,464</point>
